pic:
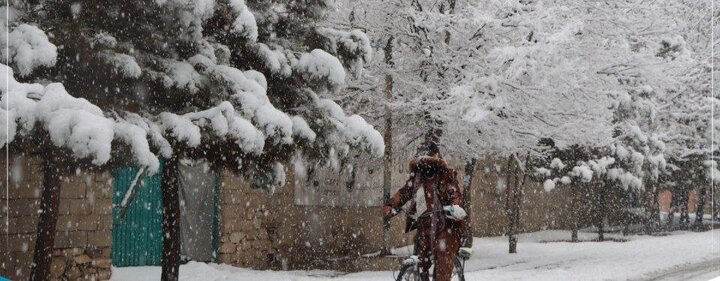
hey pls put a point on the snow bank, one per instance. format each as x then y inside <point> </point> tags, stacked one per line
<point>536,259</point>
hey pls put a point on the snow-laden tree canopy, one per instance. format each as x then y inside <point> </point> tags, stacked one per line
<point>496,77</point>
<point>549,69</point>
<point>241,84</point>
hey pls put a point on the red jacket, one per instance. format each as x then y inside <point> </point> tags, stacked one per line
<point>436,178</point>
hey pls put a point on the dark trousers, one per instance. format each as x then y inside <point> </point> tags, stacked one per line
<point>446,246</point>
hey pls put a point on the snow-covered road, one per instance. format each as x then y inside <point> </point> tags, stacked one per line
<point>695,272</point>
<point>678,256</point>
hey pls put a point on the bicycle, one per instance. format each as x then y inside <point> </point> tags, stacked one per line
<point>409,268</point>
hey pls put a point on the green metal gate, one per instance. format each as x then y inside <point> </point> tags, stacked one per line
<point>137,236</point>
<point>137,232</point>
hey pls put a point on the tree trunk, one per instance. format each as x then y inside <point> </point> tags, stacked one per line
<point>648,213</point>
<point>518,194</point>
<point>171,220</point>
<point>509,208</point>
<point>515,201</point>
<point>573,215</point>
<point>48,219</point>
<point>512,226</point>
<point>684,210</point>
<point>671,212</point>
<point>602,212</point>
<point>625,207</point>
<point>716,210</point>
<point>650,202</point>
<point>467,200</point>
<point>387,159</point>
<point>655,208</point>
<point>699,212</point>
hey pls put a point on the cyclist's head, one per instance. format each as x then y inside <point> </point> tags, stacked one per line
<point>429,162</point>
<point>429,148</point>
<point>428,169</point>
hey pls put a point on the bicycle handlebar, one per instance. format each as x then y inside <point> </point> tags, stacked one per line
<point>397,211</point>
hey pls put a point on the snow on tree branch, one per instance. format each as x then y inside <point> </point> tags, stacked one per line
<point>28,48</point>
<point>185,79</point>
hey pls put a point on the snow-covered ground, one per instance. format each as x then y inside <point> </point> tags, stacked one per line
<point>677,256</point>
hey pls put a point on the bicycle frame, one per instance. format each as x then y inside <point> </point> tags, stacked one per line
<point>413,259</point>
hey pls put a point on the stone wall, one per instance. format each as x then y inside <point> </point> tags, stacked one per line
<point>257,229</point>
<point>539,210</point>
<point>82,243</point>
<point>261,230</point>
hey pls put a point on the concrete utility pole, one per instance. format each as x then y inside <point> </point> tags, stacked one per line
<point>387,159</point>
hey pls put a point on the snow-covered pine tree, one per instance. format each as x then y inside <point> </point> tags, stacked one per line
<point>692,141</point>
<point>236,83</point>
<point>584,172</point>
<point>639,149</point>
<point>557,169</point>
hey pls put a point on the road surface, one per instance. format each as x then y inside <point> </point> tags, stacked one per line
<point>703,271</point>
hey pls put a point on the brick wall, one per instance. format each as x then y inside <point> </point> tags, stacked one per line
<point>82,243</point>
<point>665,200</point>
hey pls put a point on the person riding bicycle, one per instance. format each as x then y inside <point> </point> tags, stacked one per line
<point>436,199</point>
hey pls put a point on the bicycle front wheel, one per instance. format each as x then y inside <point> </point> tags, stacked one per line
<point>409,272</point>
<point>459,272</point>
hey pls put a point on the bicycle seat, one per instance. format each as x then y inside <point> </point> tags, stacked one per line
<point>465,253</point>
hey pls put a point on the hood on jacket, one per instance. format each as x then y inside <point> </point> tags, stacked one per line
<point>428,166</point>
